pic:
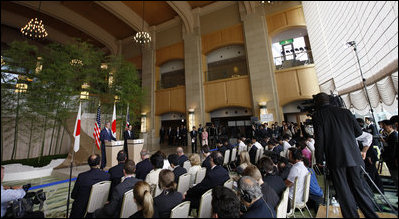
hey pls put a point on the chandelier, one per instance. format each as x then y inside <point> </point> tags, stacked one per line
<point>35,28</point>
<point>142,37</point>
<point>76,62</point>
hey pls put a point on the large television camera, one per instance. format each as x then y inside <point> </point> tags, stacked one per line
<point>24,206</point>
<point>309,105</point>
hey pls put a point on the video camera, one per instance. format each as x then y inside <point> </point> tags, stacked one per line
<point>309,105</point>
<point>19,208</point>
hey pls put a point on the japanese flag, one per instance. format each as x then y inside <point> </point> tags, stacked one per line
<point>113,126</point>
<point>76,133</point>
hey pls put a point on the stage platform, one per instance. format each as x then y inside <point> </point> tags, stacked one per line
<point>321,213</point>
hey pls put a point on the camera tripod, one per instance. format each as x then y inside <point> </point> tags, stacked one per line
<point>327,191</point>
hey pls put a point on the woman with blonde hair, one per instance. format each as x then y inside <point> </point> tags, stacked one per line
<point>143,199</point>
<point>244,162</point>
<point>195,161</point>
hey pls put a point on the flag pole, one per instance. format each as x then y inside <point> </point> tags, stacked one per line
<point>69,187</point>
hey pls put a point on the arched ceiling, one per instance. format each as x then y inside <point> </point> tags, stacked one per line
<point>102,23</point>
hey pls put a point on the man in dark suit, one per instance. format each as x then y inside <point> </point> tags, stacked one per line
<point>127,135</point>
<point>162,133</point>
<point>82,188</point>
<point>177,136</point>
<point>170,136</point>
<point>144,166</point>
<point>105,136</point>
<point>335,131</point>
<point>200,131</point>
<point>390,152</point>
<point>217,175</point>
<point>177,169</point>
<point>251,196</point>
<point>116,172</point>
<point>193,135</point>
<point>184,133</point>
<point>207,161</point>
<point>182,157</point>
<point>220,146</point>
<point>113,208</point>
<point>372,129</point>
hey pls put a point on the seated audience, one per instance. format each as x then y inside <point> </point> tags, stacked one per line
<point>244,162</point>
<point>278,147</point>
<point>298,170</point>
<point>112,209</point>
<point>284,142</point>
<point>143,199</point>
<point>195,162</point>
<point>253,149</point>
<point>177,169</point>
<point>215,176</point>
<point>207,161</point>
<point>157,164</point>
<point>82,188</point>
<point>284,167</point>
<point>225,203</point>
<point>220,147</point>
<point>241,144</point>
<point>169,198</point>
<point>306,153</point>
<point>166,164</point>
<point>182,157</point>
<point>116,172</point>
<point>144,166</point>
<point>9,194</point>
<point>269,172</point>
<point>252,198</point>
<point>269,195</point>
<point>315,192</point>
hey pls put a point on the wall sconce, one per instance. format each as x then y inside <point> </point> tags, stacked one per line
<point>21,88</point>
<point>84,95</point>
<point>143,122</point>
<point>191,119</point>
<point>116,98</point>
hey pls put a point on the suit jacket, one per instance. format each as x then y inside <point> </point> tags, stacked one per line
<point>252,154</point>
<point>113,208</point>
<point>335,131</point>
<point>105,135</point>
<point>82,188</point>
<point>126,137</point>
<point>194,135</point>
<point>214,177</point>
<point>116,173</point>
<point>143,168</point>
<point>178,171</point>
<point>259,209</point>
<point>183,158</point>
<point>166,201</point>
<point>207,163</point>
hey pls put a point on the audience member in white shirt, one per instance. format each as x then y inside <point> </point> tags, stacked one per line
<point>297,170</point>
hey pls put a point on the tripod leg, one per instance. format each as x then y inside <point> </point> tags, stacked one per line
<point>308,211</point>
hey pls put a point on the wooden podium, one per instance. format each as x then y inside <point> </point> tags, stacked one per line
<point>134,148</point>
<point>111,150</point>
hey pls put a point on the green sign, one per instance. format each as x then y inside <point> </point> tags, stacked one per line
<point>286,41</point>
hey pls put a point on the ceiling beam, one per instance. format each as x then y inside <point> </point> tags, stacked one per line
<point>14,20</point>
<point>183,9</point>
<point>124,13</point>
<point>60,12</point>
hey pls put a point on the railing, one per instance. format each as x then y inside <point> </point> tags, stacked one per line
<point>288,61</point>
<point>218,75</point>
<point>160,85</point>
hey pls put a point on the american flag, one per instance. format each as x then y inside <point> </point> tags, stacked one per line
<point>97,130</point>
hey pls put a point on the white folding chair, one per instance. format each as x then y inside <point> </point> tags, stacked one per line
<point>283,205</point>
<point>205,207</point>
<point>306,189</point>
<point>200,175</point>
<point>98,196</point>
<point>229,184</point>
<point>184,183</point>
<point>233,154</point>
<point>293,202</point>
<point>129,207</point>
<point>181,210</point>
<point>258,154</point>
<point>187,165</point>
<point>226,159</point>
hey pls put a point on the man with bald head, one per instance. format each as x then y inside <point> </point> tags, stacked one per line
<point>182,157</point>
<point>82,188</point>
<point>216,176</point>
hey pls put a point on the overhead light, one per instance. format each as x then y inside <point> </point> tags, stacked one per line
<point>142,37</point>
<point>76,62</point>
<point>35,28</point>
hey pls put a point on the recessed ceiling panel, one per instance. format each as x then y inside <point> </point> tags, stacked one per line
<point>196,4</point>
<point>155,12</point>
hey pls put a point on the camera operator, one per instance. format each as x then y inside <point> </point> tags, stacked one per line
<point>335,131</point>
<point>9,194</point>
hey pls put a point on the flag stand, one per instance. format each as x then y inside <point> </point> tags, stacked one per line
<point>69,187</point>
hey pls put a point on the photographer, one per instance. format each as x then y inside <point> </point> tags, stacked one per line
<point>9,194</point>
<point>335,131</point>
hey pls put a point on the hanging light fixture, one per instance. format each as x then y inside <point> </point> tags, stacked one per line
<point>35,28</point>
<point>142,37</point>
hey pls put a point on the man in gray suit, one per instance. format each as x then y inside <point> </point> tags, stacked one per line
<point>113,208</point>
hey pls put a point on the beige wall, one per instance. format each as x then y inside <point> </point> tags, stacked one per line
<point>220,19</point>
<point>170,36</point>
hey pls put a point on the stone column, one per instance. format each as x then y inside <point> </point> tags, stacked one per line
<point>260,63</point>
<point>193,72</point>
<point>148,85</point>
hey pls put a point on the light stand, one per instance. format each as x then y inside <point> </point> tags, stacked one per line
<point>69,187</point>
<point>354,46</point>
